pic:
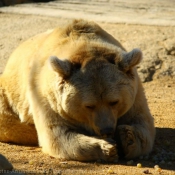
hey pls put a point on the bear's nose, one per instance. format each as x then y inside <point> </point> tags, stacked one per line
<point>107,132</point>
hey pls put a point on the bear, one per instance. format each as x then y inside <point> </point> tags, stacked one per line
<point>75,92</point>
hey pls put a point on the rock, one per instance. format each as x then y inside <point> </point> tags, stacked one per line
<point>150,64</point>
<point>168,67</point>
<point>146,171</point>
<point>158,61</point>
<point>170,46</point>
<point>6,167</point>
<point>5,164</point>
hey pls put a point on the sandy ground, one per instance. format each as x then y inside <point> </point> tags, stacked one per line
<point>15,28</point>
<point>154,12</point>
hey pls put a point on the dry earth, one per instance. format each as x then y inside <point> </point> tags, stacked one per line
<point>15,28</point>
<point>153,12</point>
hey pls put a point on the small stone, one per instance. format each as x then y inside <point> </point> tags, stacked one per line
<point>31,162</point>
<point>139,165</point>
<point>130,162</point>
<point>110,171</point>
<point>146,172</point>
<point>156,166</point>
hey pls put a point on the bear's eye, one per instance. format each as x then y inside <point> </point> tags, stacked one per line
<point>91,107</point>
<point>113,103</point>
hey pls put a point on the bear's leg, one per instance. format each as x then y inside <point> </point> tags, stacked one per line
<point>91,149</point>
<point>135,140</point>
<point>66,144</point>
<point>11,128</point>
<point>13,131</point>
<point>58,139</point>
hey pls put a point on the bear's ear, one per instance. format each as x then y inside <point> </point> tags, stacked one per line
<point>130,59</point>
<point>63,67</point>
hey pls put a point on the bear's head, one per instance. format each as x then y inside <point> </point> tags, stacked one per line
<point>98,85</point>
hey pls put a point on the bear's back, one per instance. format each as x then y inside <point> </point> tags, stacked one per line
<point>60,42</point>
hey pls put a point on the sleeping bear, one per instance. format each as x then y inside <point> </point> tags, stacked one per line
<point>75,92</point>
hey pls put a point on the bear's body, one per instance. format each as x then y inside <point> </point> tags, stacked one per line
<point>79,88</point>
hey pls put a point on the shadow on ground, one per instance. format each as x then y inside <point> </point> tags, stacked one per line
<point>163,153</point>
<point>10,2</point>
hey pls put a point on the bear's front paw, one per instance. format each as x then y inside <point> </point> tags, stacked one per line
<point>129,141</point>
<point>109,150</point>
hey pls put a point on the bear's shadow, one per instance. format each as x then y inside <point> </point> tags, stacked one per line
<point>163,153</point>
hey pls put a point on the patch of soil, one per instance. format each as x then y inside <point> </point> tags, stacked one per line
<point>160,94</point>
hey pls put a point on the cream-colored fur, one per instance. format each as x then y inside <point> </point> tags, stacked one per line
<point>78,89</point>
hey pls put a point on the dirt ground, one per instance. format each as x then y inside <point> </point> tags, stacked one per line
<point>15,28</point>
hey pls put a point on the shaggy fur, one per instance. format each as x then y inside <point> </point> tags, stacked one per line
<point>76,91</point>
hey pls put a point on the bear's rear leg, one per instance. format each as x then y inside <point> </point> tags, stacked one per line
<point>13,131</point>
